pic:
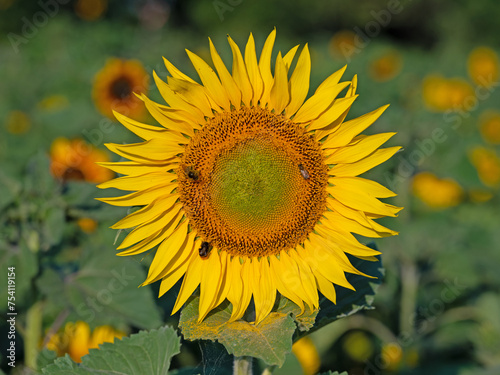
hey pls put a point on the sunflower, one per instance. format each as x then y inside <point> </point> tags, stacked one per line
<point>248,188</point>
<point>76,160</point>
<point>114,87</point>
<point>76,339</point>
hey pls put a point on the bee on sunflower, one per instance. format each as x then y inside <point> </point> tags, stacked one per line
<point>249,189</point>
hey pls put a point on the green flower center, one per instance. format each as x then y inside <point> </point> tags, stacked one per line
<point>253,184</point>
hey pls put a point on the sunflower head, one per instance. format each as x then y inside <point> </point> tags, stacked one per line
<point>115,85</point>
<point>76,160</point>
<point>249,189</point>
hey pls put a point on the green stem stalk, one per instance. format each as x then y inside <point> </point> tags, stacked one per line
<point>242,365</point>
<point>33,334</point>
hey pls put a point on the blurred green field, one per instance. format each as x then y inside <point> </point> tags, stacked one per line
<point>438,308</point>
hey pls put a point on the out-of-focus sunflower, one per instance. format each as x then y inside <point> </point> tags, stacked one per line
<point>437,192</point>
<point>248,188</point>
<point>441,94</point>
<point>76,339</point>
<point>343,43</point>
<point>482,65</point>
<point>489,126</point>
<point>76,160</point>
<point>90,10</point>
<point>17,122</point>
<point>386,67</point>
<point>306,353</point>
<point>115,87</point>
<point>487,165</point>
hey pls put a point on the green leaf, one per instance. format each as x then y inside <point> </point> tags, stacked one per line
<point>144,353</point>
<point>270,341</point>
<point>104,290</point>
<point>334,373</point>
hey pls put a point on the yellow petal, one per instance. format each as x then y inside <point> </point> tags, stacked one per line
<point>227,79</point>
<point>276,272</point>
<point>176,244</point>
<point>359,200</point>
<point>279,93</point>
<point>318,103</point>
<point>365,146</point>
<point>211,278</point>
<point>156,149</point>
<point>332,114</point>
<point>154,239</point>
<point>191,280</point>
<point>235,291</point>
<point>131,168</point>
<point>288,58</point>
<point>144,131</point>
<point>162,116</point>
<point>210,81</point>
<point>174,72</point>
<point>141,198</point>
<point>299,82</point>
<point>253,70</point>
<point>168,220</point>
<point>291,277</point>
<point>265,67</point>
<point>223,289</point>
<point>348,130</point>
<point>175,100</point>
<point>306,277</point>
<point>246,295</point>
<point>240,74</point>
<point>145,214</point>
<point>139,182</point>
<point>359,167</point>
<point>192,93</point>
<point>363,185</point>
<point>325,287</point>
<point>332,80</point>
<point>264,291</point>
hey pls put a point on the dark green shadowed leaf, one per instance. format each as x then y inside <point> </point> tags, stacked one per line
<point>144,353</point>
<point>270,341</point>
<point>104,290</point>
<point>350,301</point>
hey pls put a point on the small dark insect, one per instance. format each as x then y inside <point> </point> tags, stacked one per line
<point>303,172</point>
<point>191,172</point>
<point>204,249</point>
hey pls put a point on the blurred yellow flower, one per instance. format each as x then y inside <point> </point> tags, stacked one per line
<point>482,65</point>
<point>391,356</point>
<point>386,67</point>
<point>441,94</point>
<point>115,86</point>
<point>435,192</point>
<point>17,122</point>
<point>487,165</point>
<point>76,339</point>
<point>358,345</point>
<point>90,10</point>
<point>307,355</point>
<point>343,43</point>
<point>489,126</point>
<point>87,224</point>
<point>76,160</point>
<point>53,103</point>
<point>480,195</point>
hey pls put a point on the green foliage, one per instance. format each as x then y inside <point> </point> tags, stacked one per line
<point>140,354</point>
<point>103,290</point>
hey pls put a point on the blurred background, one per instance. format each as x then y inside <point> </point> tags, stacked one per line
<point>65,63</point>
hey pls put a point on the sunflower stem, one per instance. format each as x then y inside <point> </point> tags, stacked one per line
<point>242,365</point>
<point>33,334</point>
